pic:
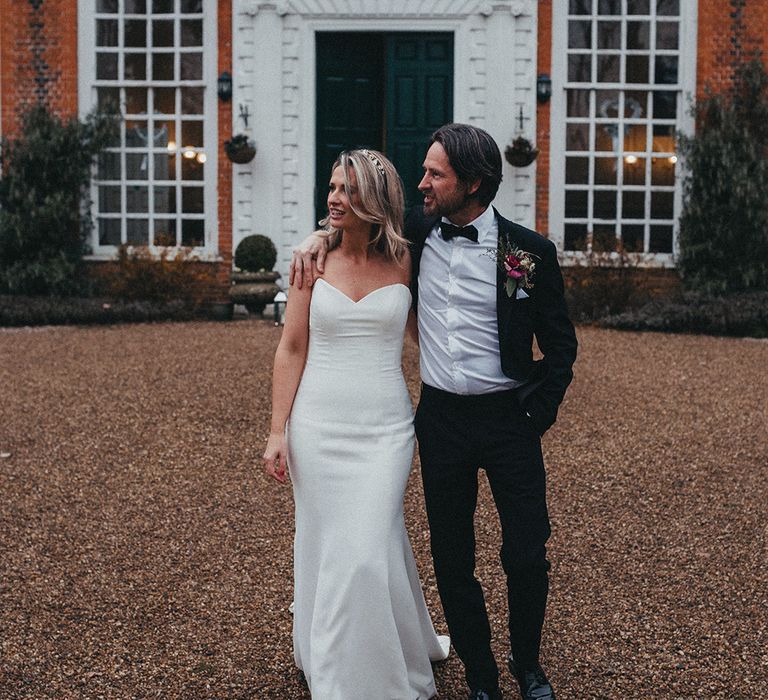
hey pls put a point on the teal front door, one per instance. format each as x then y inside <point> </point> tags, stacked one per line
<point>382,91</point>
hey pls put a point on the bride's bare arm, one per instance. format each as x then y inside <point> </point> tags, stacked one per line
<point>308,261</point>
<point>411,325</point>
<point>289,364</point>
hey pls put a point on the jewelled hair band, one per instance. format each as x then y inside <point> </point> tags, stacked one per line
<point>375,160</point>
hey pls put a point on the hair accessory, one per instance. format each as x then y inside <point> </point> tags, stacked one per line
<point>375,160</point>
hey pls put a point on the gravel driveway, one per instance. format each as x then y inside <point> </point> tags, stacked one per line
<point>144,555</point>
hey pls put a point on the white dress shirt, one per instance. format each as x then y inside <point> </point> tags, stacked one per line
<point>458,326</point>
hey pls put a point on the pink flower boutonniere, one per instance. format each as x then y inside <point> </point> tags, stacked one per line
<point>517,265</point>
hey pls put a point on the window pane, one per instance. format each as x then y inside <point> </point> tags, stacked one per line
<point>136,7</point>
<point>578,103</point>
<point>109,232</point>
<point>603,238</point>
<point>605,204</point>
<point>108,98</point>
<point>663,170</point>
<point>109,198</point>
<point>579,35</point>
<point>137,198</point>
<point>664,104</point>
<point>634,170</point>
<point>609,7</point>
<point>667,35</point>
<point>608,68</point>
<point>635,104</point>
<point>579,68</point>
<point>135,100</point>
<point>106,32</point>
<point>135,66</point>
<point>662,205</point>
<point>666,70</point>
<point>632,204</point>
<point>162,7</point>
<point>136,166</point>
<point>165,166</point>
<point>192,134</point>
<point>192,232</point>
<point>667,7</point>
<point>106,6</point>
<point>575,236</point>
<point>609,35</point>
<point>638,35</point>
<point>634,137</point>
<point>135,32</point>
<point>106,66</point>
<point>577,171</point>
<point>661,239</point>
<point>192,168</point>
<point>162,66</point>
<point>576,204</point>
<point>164,134</point>
<point>108,167</point>
<point>605,171</point>
<point>192,200</point>
<point>191,66</point>
<point>637,69</point>
<point>191,32</point>
<point>632,237</point>
<point>165,101</point>
<point>191,6</point>
<point>580,7</point>
<point>135,133</point>
<point>607,103</point>
<point>606,137</point>
<point>663,138</point>
<point>165,199</point>
<point>577,137</point>
<point>137,231</point>
<point>192,100</point>
<point>165,232</point>
<point>162,32</point>
<point>638,7</point>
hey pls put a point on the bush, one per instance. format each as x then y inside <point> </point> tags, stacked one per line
<point>170,275</point>
<point>744,314</point>
<point>255,253</point>
<point>45,176</point>
<point>724,224</point>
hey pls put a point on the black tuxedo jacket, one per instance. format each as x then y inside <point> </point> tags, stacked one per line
<point>543,315</point>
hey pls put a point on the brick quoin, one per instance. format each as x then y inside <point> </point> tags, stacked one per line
<point>543,120</point>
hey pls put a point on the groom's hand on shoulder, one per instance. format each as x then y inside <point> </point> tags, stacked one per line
<point>308,259</point>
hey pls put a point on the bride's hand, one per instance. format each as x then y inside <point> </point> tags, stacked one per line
<point>308,260</point>
<point>275,456</point>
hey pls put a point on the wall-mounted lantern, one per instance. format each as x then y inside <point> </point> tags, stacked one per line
<point>224,87</point>
<point>543,88</point>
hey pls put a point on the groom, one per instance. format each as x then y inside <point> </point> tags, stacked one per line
<point>485,403</point>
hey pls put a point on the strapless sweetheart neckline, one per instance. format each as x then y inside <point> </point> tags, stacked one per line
<point>363,298</point>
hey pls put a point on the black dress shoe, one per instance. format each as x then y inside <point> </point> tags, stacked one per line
<point>480,694</point>
<point>533,683</point>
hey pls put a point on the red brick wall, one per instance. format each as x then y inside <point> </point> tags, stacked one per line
<point>38,58</point>
<point>224,176</point>
<point>543,65</point>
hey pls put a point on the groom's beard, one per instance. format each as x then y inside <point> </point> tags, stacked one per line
<point>450,204</point>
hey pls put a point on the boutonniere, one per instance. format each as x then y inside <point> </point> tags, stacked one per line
<point>518,267</point>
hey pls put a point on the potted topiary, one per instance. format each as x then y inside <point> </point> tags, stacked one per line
<point>240,149</point>
<point>254,283</point>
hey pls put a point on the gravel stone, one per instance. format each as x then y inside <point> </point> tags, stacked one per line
<point>143,553</point>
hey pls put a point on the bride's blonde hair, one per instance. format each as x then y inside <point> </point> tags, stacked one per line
<point>381,200</point>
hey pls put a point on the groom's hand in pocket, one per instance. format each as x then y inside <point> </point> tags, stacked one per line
<point>308,260</point>
<point>275,456</point>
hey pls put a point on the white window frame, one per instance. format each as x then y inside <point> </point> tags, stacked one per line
<point>558,105</point>
<point>87,100</point>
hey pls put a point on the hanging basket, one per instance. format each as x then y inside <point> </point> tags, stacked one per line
<point>240,149</point>
<point>521,152</point>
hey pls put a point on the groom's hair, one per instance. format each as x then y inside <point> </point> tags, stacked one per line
<point>474,155</point>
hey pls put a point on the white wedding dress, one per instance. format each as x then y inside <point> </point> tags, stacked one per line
<point>361,628</point>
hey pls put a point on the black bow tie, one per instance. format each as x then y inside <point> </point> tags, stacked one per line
<point>449,231</point>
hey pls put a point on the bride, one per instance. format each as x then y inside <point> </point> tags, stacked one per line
<point>342,424</point>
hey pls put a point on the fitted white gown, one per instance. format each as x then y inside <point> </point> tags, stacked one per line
<point>361,628</point>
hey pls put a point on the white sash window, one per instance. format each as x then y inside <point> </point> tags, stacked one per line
<point>619,97</point>
<point>155,59</point>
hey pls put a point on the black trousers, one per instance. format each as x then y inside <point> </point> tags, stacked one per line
<point>457,436</point>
